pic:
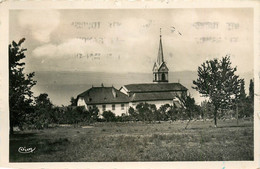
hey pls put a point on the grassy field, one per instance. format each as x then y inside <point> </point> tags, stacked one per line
<point>136,141</point>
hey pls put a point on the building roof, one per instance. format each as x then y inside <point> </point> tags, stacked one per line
<point>103,95</point>
<point>152,96</point>
<point>154,87</point>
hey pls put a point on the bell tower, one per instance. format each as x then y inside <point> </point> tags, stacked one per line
<point>160,70</point>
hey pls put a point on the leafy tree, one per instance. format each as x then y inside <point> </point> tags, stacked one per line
<point>58,114</point>
<point>249,103</point>
<point>241,101</point>
<point>73,101</point>
<point>207,110</point>
<point>44,112</point>
<point>123,118</point>
<point>20,85</point>
<point>74,115</point>
<point>204,110</point>
<point>109,116</point>
<point>164,113</point>
<point>92,114</point>
<point>217,80</point>
<point>190,109</point>
<point>242,92</point>
<point>132,113</point>
<point>251,90</point>
<point>146,112</point>
<point>173,113</point>
<point>43,101</point>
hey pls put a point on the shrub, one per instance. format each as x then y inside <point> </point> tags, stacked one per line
<point>109,116</point>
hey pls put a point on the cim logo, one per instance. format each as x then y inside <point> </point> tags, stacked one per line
<point>25,150</point>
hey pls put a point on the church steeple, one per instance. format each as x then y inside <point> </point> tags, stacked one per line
<point>160,70</point>
<point>160,59</point>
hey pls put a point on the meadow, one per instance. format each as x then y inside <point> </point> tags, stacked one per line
<point>137,141</point>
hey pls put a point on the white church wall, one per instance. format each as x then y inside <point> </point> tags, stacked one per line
<point>157,103</point>
<point>118,109</point>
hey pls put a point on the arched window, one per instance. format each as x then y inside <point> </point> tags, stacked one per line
<point>163,77</point>
<point>155,76</point>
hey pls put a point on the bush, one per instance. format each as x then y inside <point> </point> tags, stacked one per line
<point>109,116</point>
<point>146,112</point>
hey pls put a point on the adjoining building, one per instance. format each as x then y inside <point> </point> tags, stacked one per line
<point>105,99</point>
<point>159,92</point>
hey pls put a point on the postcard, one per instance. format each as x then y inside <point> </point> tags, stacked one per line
<point>129,84</point>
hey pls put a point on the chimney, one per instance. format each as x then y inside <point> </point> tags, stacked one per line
<point>114,92</point>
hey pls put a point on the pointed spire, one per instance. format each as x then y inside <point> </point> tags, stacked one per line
<point>160,59</point>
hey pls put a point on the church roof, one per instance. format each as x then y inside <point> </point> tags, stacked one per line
<point>154,87</point>
<point>152,96</point>
<point>103,95</point>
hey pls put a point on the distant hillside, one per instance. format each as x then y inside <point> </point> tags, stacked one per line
<point>62,85</point>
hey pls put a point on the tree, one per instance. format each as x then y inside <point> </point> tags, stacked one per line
<point>133,114</point>
<point>242,92</point>
<point>240,103</point>
<point>92,114</point>
<point>251,90</point>
<point>73,101</point>
<point>164,113</point>
<point>207,110</point>
<point>109,116</point>
<point>173,112</point>
<point>217,80</point>
<point>249,103</point>
<point>43,101</point>
<point>146,112</point>
<point>190,109</point>
<point>20,85</point>
<point>44,112</point>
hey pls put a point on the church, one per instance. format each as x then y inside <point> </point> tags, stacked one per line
<point>159,92</point>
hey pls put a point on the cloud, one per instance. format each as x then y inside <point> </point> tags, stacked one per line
<point>41,23</point>
<point>133,45</point>
<point>66,49</point>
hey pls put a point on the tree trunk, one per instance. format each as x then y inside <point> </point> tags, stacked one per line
<point>215,117</point>
<point>237,113</point>
<point>215,120</point>
<point>204,116</point>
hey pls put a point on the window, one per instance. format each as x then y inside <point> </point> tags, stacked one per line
<point>113,107</point>
<point>122,106</point>
<point>104,107</point>
<point>163,77</point>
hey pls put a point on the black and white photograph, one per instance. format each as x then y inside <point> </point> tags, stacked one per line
<point>131,85</point>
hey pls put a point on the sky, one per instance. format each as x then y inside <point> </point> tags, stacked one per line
<point>127,40</point>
